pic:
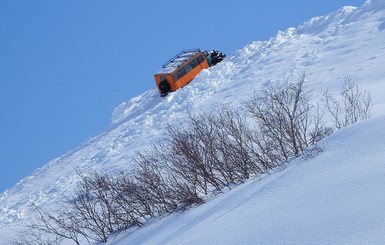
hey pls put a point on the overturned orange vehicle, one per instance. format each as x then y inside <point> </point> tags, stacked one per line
<point>183,67</point>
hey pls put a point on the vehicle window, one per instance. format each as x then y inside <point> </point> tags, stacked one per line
<point>163,78</point>
<point>200,58</point>
<point>181,72</point>
<point>188,67</point>
<point>175,76</point>
<point>194,63</point>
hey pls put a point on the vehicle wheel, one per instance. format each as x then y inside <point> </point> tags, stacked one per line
<point>164,87</point>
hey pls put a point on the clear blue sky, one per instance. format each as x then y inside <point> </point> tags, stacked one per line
<point>65,65</point>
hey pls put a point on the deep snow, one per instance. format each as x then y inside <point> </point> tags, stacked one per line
<point>335,198</point>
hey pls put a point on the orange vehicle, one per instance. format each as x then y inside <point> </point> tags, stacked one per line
<point>183,67</point>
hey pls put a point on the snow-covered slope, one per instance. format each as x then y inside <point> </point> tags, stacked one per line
<point>338,197</point>
<point>349,41</point>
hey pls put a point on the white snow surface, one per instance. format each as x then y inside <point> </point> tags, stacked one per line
<point>337,197</point>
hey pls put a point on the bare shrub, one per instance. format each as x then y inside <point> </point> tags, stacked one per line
<point>214,150</point>
<point>164,190</point>
<point>203,132</point>
<point>354,105</point>
<point>208,152</point>
<point>46,228</point>
<point>130,209</point>
<point>91,203</point>
<point>287,123</point>
<point>188,155</point>
<point>238,146</point>
<point>153,185</point>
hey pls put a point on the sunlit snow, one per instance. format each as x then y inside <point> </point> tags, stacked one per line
<point>337,197</point>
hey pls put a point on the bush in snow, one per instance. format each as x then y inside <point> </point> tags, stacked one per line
<point>51,228</point>
<point>286,122</point>
<point>355,104</point>
<point>206,153</point>
<point>213,151</point>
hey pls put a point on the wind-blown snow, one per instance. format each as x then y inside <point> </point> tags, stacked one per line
<point>335,198</point>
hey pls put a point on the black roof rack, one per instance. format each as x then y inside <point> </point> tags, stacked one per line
<point>178,59</point>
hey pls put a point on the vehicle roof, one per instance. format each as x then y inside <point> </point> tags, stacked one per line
<point>178,60</point>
